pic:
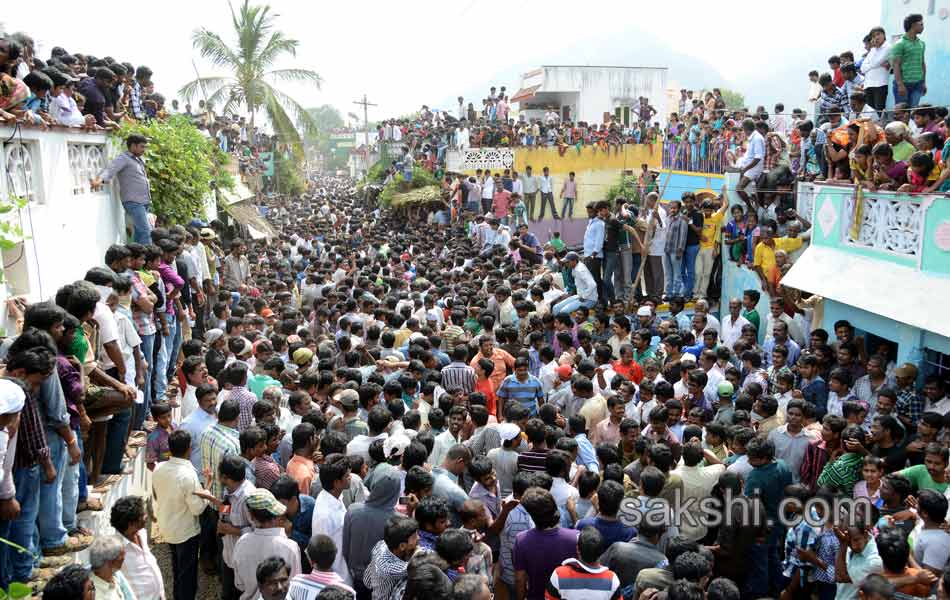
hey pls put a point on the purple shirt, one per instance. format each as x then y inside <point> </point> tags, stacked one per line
<point>95,100</point>
<point>173,281</point>
<point>539,551</point>
<point>71,381</point>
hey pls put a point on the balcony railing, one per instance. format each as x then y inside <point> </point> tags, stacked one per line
<point>885,222</point>
<point>695,158</point>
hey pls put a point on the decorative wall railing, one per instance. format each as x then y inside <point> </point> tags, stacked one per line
<point>21,164</point>
<point>470,159</point>
<point>885,222</point>
<point>85,162</point>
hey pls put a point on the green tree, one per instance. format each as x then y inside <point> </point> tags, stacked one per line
<point>325,118</point>
<point>182,165</point>
<point>250,63</point>
<point>733,99</point>
<point>287,179</point>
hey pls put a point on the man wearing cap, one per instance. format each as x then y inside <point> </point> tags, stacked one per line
<point>265,541</point>
<point>726,413</point>
<point>585,283</point>
<point>12,399</point>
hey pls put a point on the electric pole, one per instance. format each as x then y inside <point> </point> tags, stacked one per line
<point>365,104</point>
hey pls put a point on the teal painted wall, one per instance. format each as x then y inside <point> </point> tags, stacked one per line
<point>936,261</point>
<point>680,182</point>
<point>909,339</point>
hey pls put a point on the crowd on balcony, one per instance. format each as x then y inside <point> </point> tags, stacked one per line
<point>846,134</point>
<point>372,408</point>
<point>83,91</point>
<point>493,125</point>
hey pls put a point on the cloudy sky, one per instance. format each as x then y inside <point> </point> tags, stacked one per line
<point>404,54</point>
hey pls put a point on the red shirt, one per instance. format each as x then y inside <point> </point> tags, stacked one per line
<point>633,372</point>
<point>486,387</point>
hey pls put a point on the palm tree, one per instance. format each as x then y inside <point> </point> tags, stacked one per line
<point>250,64</point>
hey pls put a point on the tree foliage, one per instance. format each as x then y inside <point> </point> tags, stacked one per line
<point>734,100</point>
<point>626,187</point>
<point>182,165</point>
<point>250,63</point>
<point>287,178</point>
<point>325,118</point>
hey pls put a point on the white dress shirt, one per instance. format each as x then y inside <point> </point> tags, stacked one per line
<point>876,74</point>
<point>328,514</point>
<point>141,569</point>
<point>176,506</point>
<point>443,443</point>
<point>546,184</point>
<point>732,329</point>
<point>254,548</point>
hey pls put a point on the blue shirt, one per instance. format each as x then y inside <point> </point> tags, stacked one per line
<point>612,531</point>
<point>793,351</point>
<point>586,457</point>
<point>769,481</point>
<point>303,521</point>
<point>594,237</point>
<point>528,393</point>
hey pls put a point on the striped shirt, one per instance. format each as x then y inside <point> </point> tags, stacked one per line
<point>246,400</point>
<point>532,461</point>
<point>528,392</point>
<point>266,471</point>
<point>385,571</point>
<point>460,375</point>
<point>216,443</point>
<point>31,439</point>
<point>308,587</point>
<point>575,580</point>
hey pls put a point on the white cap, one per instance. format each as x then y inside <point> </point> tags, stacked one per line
<point>688,359</point>
<point>644,311</point>
<point>508,431</point>
<point>12,397</point>
<point>395,445</point>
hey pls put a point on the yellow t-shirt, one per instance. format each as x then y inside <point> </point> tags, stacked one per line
<point>710,231</point>
<point>788,244</point>
<point>765,255</point>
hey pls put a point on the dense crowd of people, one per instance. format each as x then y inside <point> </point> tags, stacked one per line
<point>374,407</point>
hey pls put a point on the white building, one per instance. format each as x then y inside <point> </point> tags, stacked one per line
<point>591,93</point>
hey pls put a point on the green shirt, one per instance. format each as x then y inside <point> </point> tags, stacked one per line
<point>752,316</point>
<point>910,53</point>
<point>556,243</point>
<point>920,477</point>
<point>903,150</point>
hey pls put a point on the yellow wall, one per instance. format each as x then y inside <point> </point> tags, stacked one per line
<point>594,169</point>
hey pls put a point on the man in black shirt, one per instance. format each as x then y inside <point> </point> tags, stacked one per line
<point>693,233</point>
<point>612,229</point>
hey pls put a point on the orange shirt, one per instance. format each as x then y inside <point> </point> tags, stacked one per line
<point>633,371</point>
<point>503,361</point>
<point>487,388</point>
<point>303,472</point>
